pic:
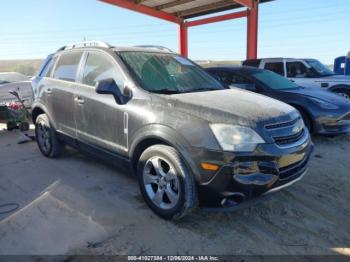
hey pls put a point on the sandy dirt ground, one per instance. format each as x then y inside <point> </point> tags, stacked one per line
<point>79,205</point>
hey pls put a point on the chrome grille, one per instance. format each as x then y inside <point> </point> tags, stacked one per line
<point>286,133</point>
<point>280,125</point>
<point>284,140</point>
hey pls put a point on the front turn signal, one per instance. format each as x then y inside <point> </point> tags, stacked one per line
<point>210,167</point>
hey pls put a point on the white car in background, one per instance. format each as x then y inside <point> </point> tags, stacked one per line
<point>13,81</point>
<point>306,73</point>
<point>11,77</point>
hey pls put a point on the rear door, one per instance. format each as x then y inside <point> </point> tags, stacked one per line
<point>61,90</point>
<point>274,66</point>
<point>100,119</point>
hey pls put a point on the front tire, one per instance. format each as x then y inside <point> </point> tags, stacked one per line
<point>165,182</point>
<point>343,92</point>
<point>46,137</point>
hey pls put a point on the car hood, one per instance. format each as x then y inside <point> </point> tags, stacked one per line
<point>232,106</point>
<point>317,93</point>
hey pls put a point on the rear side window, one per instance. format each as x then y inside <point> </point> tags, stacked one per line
<point>99,67</point>
<point>276,67</point>
<point>67,66</point>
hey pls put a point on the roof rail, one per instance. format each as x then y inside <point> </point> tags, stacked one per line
<point>156,47</point>
<point>85,44</point>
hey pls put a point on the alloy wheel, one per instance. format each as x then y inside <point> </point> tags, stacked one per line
<point>43,136</point>
<point>161,183</point>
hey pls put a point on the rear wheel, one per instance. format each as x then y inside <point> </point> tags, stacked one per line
<point>165,182</point>
<point>46,137</point>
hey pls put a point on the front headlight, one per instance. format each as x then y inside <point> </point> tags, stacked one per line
<point>236,138</point>
<point>323,104</point>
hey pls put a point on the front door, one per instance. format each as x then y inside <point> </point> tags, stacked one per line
<point>100,119</point>
<point>297,72</point>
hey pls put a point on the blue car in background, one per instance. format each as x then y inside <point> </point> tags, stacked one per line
<point>323,112</point>
<point>342,65</point>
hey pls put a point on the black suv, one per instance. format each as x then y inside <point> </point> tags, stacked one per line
<point>189,140</point>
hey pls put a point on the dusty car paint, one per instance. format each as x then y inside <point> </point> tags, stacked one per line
<point>182,121</point>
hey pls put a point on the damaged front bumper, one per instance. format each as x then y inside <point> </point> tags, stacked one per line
<point>243,177</point>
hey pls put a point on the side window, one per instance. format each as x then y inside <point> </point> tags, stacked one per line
<point>223,77</point>
<point>237,79</point>
<point>276,67</point>
<point>67,66</point>
<point>47,71</point>
<point>296,69</point>
<point>99,67</point>
<point>242,82</point>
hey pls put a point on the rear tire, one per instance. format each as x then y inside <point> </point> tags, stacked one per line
<point>46,137</point>
<point>166,183</point>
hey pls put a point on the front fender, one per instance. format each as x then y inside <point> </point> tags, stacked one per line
<point>38,106</point>
<point>337,87</point>
<point>168,136</point>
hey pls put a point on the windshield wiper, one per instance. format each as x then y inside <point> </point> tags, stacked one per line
<point>201,90</point>
<point>166,91</point>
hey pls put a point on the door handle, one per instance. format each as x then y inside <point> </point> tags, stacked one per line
<point>49,91</point>
<point>79,100</point>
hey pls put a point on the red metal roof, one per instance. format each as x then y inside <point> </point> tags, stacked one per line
<point>182,9</point>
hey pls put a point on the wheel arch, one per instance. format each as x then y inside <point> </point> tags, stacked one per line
<point>163,135</point>
<point>302,109</point>
<point>39,109</point>
<point>339,87</point>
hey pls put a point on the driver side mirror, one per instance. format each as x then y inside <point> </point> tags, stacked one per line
<point>109,86</point>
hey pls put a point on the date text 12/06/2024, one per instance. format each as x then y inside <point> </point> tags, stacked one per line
<point>173,258</point>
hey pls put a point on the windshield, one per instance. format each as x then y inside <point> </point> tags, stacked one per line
<point>320,68</point>
<point>273,80</point>
<point>168,73</point>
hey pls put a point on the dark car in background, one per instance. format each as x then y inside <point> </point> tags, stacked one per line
<point>185,135</point>
<point>323,112</point>
<point>305,72</point>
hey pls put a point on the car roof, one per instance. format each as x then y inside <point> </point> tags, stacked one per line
<point>107,47</point>
<point>236,68</point>
<point>279,58</point>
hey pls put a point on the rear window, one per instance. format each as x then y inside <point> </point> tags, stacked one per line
<point>273,80</point>
<point>67,66</point>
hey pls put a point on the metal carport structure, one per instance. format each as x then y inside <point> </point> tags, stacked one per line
<point>179,11</point>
